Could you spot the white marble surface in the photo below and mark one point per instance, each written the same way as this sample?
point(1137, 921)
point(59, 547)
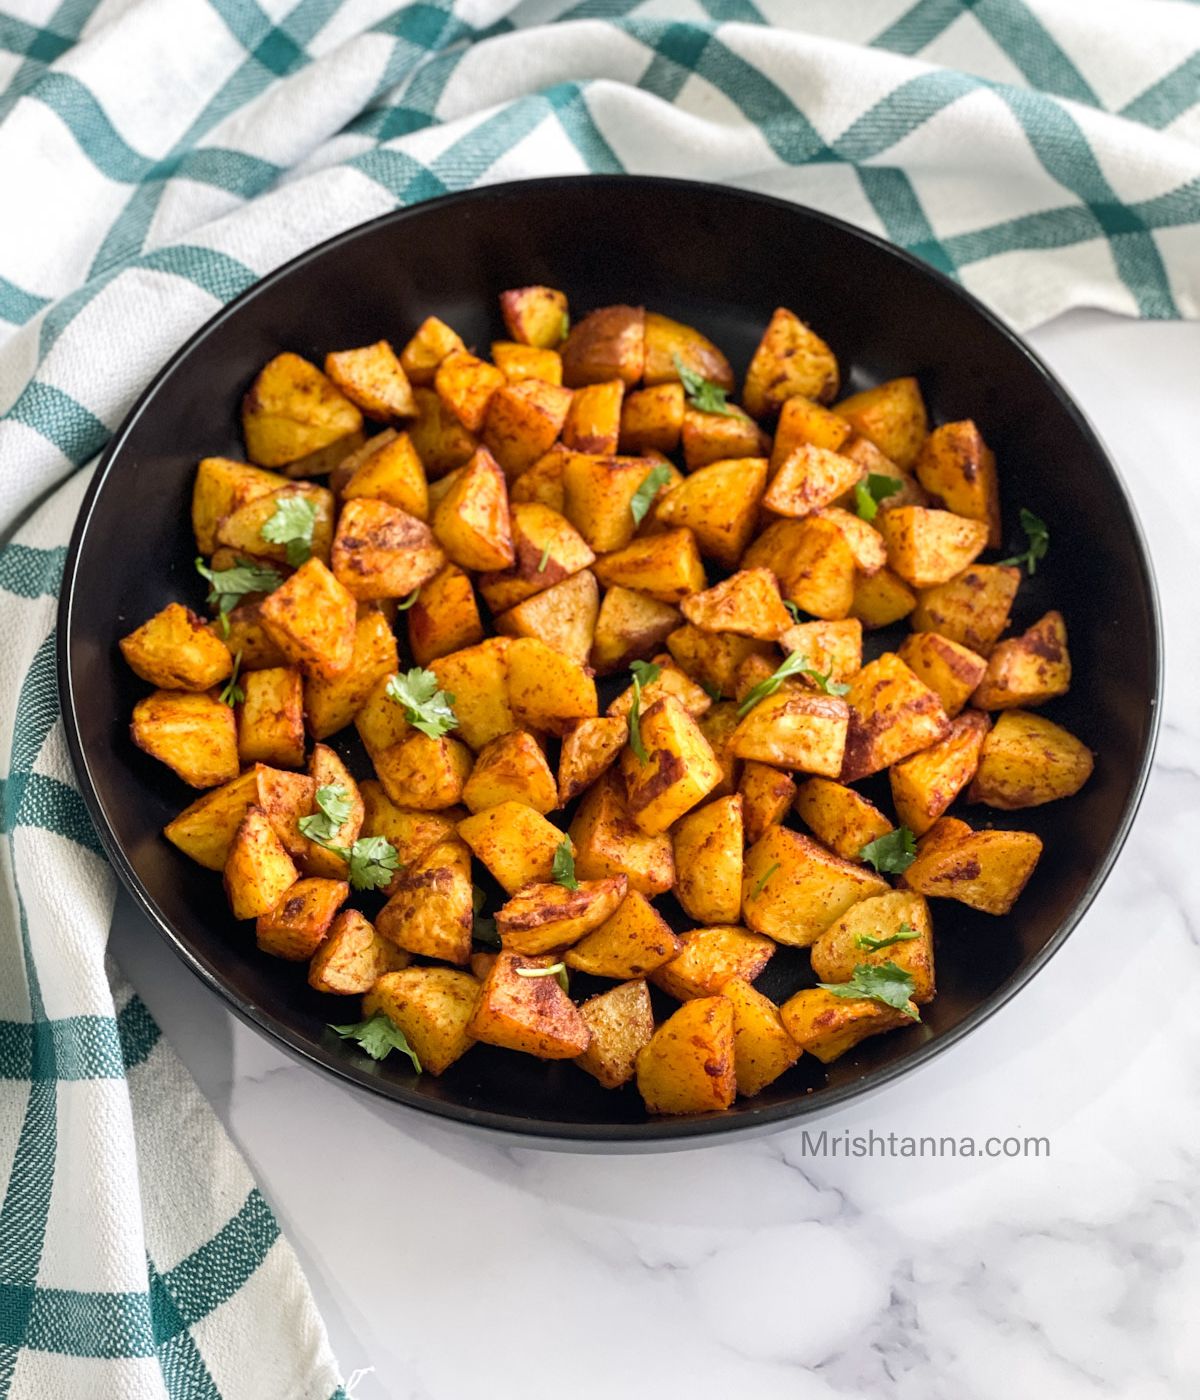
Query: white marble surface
point(455, 1267)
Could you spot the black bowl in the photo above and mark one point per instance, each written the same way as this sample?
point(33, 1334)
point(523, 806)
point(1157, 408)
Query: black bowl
point(723, 260)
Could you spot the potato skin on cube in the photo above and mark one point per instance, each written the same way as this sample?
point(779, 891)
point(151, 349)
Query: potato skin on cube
point(679, 772)
point(258, 871)
point(845, 943)
point(292, 410)
point(839, 817)
point(892, 715)
point(192, 732)
point(433, 1007)
point(516, 843)
point(353, 957)
point(534, 315)
point(312, 618)
point(708, 860)
point(985, 870)
point(1027, 670)
point(430, 912)
point(174, 650)
point(608, 343)
point(621, 1022)
point(793, 888)
point(709, 957)
point(1027, 760)
point(762, 1048)
point(926, 783)
point(665, 339)
point(791, 359)
point(589, 747)
point(295, 928)
point(688, 1065)
point(827, 1025)
point(530, 1014)
point(632, 942)
point(609, 842)
point(542, 917)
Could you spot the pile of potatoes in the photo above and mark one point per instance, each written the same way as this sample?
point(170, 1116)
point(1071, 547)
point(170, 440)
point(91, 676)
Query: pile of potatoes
point(518, 527)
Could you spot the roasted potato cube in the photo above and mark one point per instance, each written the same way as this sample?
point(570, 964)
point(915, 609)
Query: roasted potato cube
point(833, 649)
point(429, 774)
point(380, 551)
point(512, 768)
point(205, 830)
point(926, 783)
point(652, 419)
point(762, 1048)
point(630, 626)
point(564, 617)
point(291, 411)
point(471, 521)
point(751, 672)
point(679, 770)
point(873, 462)
point(430, 912)
point(808, 478)
point(839, 817)
point(547, 690)
point(380, 721)
point(766, 795)
point(892, 714)
point(892, 416)
point(793, 888)
point(445, 616)
point(286, 798)
point(528, 1013)
point(720, 437)
point(850, 941)
point(535, 316)
point(791, 359)
point(326, 769)
point(589, 747)
point(665, 566)
point(516, 844)
point(621, 1022)
point(192, 732)
point(865, 541)
point(598, 494)
point(803, 421)
point(708, 845)
point(312, 619)
point(746, 603)
point(270, 717)
point(719, 503)
point(442, 443)
point(432, 1006)
point(795, 728)
point(427, 349)
point(812, 561)
point(1027, 760)
point(718, 725)
point(373, 378)
point(707, 960)
point(523, 422)
point(712, 658)
point(609, 842)
point(517, 362)
point(688, 1065)
point(242, 631)
point(928, 547)
point(411, 830)
point(466, 384)
point(542, 917)
point(881, 599)
point(477, 677)
point(331, 703)
point(353, 957)
point(543, 482)
point(391, 473)
point(547, 549)
point(827, 1025)
point(221, 486)
point(296, 927)
point(175, 650)
point(258, 871)
point(958, 469)
point(1027, 670)
point(242, 530)
point(950, 670)
point(607, 344)
point(670, 680)
point(630, 943)
point(593, 421)
point(668, 341)
point(985, 870)
point(971, 609)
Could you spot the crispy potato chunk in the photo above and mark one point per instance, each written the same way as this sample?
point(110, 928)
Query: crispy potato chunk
point(652, 419)
point(839, 817)
point(720, 437)
point(971, 609)
point(380, 721)
point(286, 797)
point(471, 521)
point(709, 957)
point(679, 771)
point(812, 561)
point(543, 482)
point(174, 650)
point(258, 871)
point(881, 599)
point(630, 626)
point(221, 486)
point(312, 619)
point(719, 503)
point(466, 384)
point(242, 630)
point(530, 1014)
point(547, 690)
point(547, 549)
point(411, 831)
point(598, 494)
point(808, 478)
point(712, 659)
point(535, 316)
point(477, 677)
point(205, 829)
point(427, 349)
point(872, 461)
point(688, 1065)
point(708, 856)
point(392, 473)
point(193, 733)
point(958, 468)
point(430, 912)
point(747, 603)
point(607, 344)
point(795, 728)
point(762, 1048)
point(609, 842)
point(270, 717)
point(665, 566)
point(512, 768)
point(793, 888)
point(517, 362)
point(422, 772)
point(242, 530)
point(445, 616)
point(380, 551)
point(373, 378)
point(718, 726)
point(542, 917)
point(927, 547)
point(331, 703)
point(326, 769)
point(865, 541)
point(985, 870)
point(947, 668)
point(353, 957)
point(892, 714)
point(1028, 760)
point(589, 747)
point(833, 649)
point(791, 359)
point(892, 416)
point(850, 941)
point(621, 1022)
point(433, 1007)
point(803, 421)
point(827, 1025)
point(442, 443)
point(296, 927)
point(1027, 670)
point(516, 844)
point(564, 617)
point(925, 784)
point(523, 422)
point(593, 421)
point(667, 339)
point(766, 795)
point(291, 411)
point(632, 942)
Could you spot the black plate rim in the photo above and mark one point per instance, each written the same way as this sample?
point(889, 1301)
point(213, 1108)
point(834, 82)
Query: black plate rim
point(655, 1133)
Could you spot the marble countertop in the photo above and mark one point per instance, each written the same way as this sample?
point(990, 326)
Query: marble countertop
point(453, 1266)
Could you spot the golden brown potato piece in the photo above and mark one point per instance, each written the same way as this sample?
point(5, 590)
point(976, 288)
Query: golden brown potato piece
point(832, 648)
point(790, 359)
point(795, 728)
point(593, 421)
point(542, 917)
point(667, 339)
point(270, 718)
point(766, 795)
point(719, 504)
point(709, 957)
point(547, 690)
point(839, 817)
point(512, 768)
point(523, 423)
point(353, 957)
point(631, 943)
point(292, 411)
point(599, 492)
point(530, 1014)
point(312, 619)
point(1027, 760)
point(426, 773)
point(373, 378)
point(331, 703)
point(607, 344)
point(441, 441)
point(985, 870)
point(296, 927)
point(808, 478)
point(326, 769)
point(652, 419)
point(925, 784)
point(609, 842)
point(827, 1025)
point(892, 714)
point(516, 844)
point(382, 552)
point(890, 920)
point(547, 549)
point(892, 416)
point(477, 677)
point(471, 521)
point(718, 726)
point(1027, 670)
point(688, 1065)
point(948, 668)
point(175, 650)
point(621, 1022)
point(392, 472)
point(564, 617)
point(205, 829)
point(812, 561)
point(427, 349)
point(193, 733)
point(630, 626)
point(665, 566)
point(542, 483)
point(242, 531)
point(762, 1048)
point(708, 856)
point(873, 462)
point(411, 831)
point(746, 603)
point(286, 798)
point(535, 316)
point(589, 747)
point(712, 659)
point(958, 469)
point(517, 362)
point(430, 912)
point(432, 1006)
point(221, 486)
point(971, 609)
point(881, 599)
point(445, 616)
point(720, 437)
point(679, 768)
point(793, 888)
point(803, 421)
point(466, 384)
point(866, 543)
point(928, 547)
point(380, 721)
point(258, 871)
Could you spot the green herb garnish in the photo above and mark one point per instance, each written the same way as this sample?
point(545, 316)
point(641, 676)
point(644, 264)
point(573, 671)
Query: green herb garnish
point(405, 603)
point(545, 559)
point(870, 490)
point(762, 881)
point(794, 664)
point(557, 969)
point(643, 498)
point(333, 811)
point(891, 854)
point(425, 705)
point(230, 586)
point(1039, 542)
point(793, 608)
point(703, 395)
point(233, 694)
point(563, 869)
point(644, 673)
point(882, 982)
point(378, 1036)
point(904, 934)
point(291, 525)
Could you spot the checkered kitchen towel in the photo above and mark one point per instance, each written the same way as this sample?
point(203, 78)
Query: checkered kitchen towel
point(156, 157)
